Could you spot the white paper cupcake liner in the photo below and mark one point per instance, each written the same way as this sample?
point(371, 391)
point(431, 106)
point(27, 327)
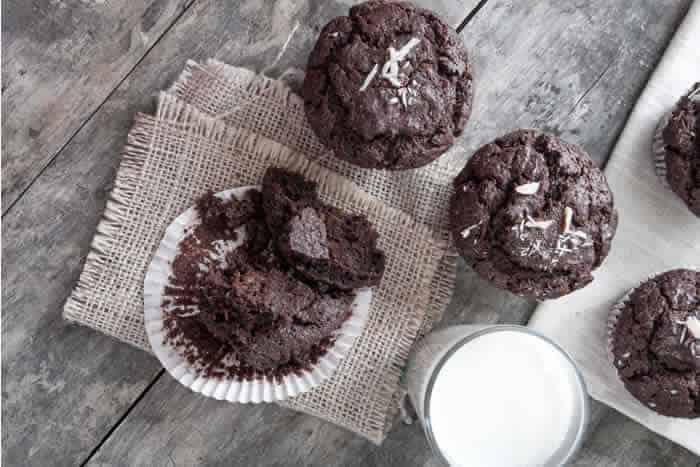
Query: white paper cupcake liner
point(234, 389)
point(617, 309)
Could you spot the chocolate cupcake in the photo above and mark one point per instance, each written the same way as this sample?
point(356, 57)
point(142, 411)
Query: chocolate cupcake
point(677, 149)
point(532, 214)
point(654, 341)
point(241, 312)
point(388, 87)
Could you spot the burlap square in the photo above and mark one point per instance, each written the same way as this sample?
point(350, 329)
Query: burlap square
point(175, 156)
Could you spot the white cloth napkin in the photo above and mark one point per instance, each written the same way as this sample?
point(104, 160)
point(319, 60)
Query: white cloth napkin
point(656, 233)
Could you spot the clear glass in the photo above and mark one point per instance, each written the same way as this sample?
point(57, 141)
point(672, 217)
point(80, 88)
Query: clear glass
point(430, 354)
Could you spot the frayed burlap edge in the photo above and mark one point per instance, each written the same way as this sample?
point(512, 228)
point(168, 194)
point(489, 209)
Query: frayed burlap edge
point(125, 185)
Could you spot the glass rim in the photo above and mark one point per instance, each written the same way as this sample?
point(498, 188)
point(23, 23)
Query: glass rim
point(585, 403)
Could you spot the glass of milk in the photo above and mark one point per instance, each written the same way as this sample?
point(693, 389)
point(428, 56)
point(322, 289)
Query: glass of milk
point(497, 396)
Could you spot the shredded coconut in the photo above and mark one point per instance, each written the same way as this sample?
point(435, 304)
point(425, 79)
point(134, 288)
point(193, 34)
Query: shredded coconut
point(370, 76)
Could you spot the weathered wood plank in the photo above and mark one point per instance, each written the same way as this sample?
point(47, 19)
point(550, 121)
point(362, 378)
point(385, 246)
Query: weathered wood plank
point(64, 386)
point(197, 431)
point(555, 65)
point(572, 68)
point(615, 440)
point(60, 60)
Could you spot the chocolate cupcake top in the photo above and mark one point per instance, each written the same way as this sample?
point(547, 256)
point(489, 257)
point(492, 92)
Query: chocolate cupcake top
point(321, 242)
point(388, 87)
point(533, 214)
point(682, 149)
point(656, 343)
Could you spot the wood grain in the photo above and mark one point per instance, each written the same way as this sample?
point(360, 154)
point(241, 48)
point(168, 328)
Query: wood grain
point(60, 60)
point(64, 386)
point(572, 68)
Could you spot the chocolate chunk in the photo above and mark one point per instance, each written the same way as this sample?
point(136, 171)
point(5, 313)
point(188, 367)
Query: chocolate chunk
point(343, 253)
point(307, 235)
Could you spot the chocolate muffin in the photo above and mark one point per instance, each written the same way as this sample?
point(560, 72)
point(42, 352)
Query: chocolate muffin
point(323, 243)
point(388, 87)
point(680, 149)
point(532, 214)
point(244, 312)
point(655, 342)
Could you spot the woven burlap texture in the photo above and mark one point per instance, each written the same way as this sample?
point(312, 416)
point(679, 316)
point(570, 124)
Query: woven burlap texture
point(178, 154)
point(267, 107)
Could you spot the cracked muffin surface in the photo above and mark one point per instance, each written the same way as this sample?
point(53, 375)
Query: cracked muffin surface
point(533, 214)
point(388, 87)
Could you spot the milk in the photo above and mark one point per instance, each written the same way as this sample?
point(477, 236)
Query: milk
point(504, 398)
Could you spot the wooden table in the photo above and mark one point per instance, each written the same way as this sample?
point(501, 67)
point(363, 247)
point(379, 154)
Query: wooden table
point(74, 73)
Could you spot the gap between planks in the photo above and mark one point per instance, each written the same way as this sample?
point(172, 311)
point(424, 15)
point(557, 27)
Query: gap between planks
point(122, 417)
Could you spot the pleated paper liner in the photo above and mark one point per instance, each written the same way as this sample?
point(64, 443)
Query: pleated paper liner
point(659, 149)
point(617, 309)
point(234, 389)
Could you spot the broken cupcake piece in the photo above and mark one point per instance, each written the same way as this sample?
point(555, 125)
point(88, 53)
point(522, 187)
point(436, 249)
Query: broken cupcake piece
point(224, 215)
point(322, 242)
point(246, 313)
